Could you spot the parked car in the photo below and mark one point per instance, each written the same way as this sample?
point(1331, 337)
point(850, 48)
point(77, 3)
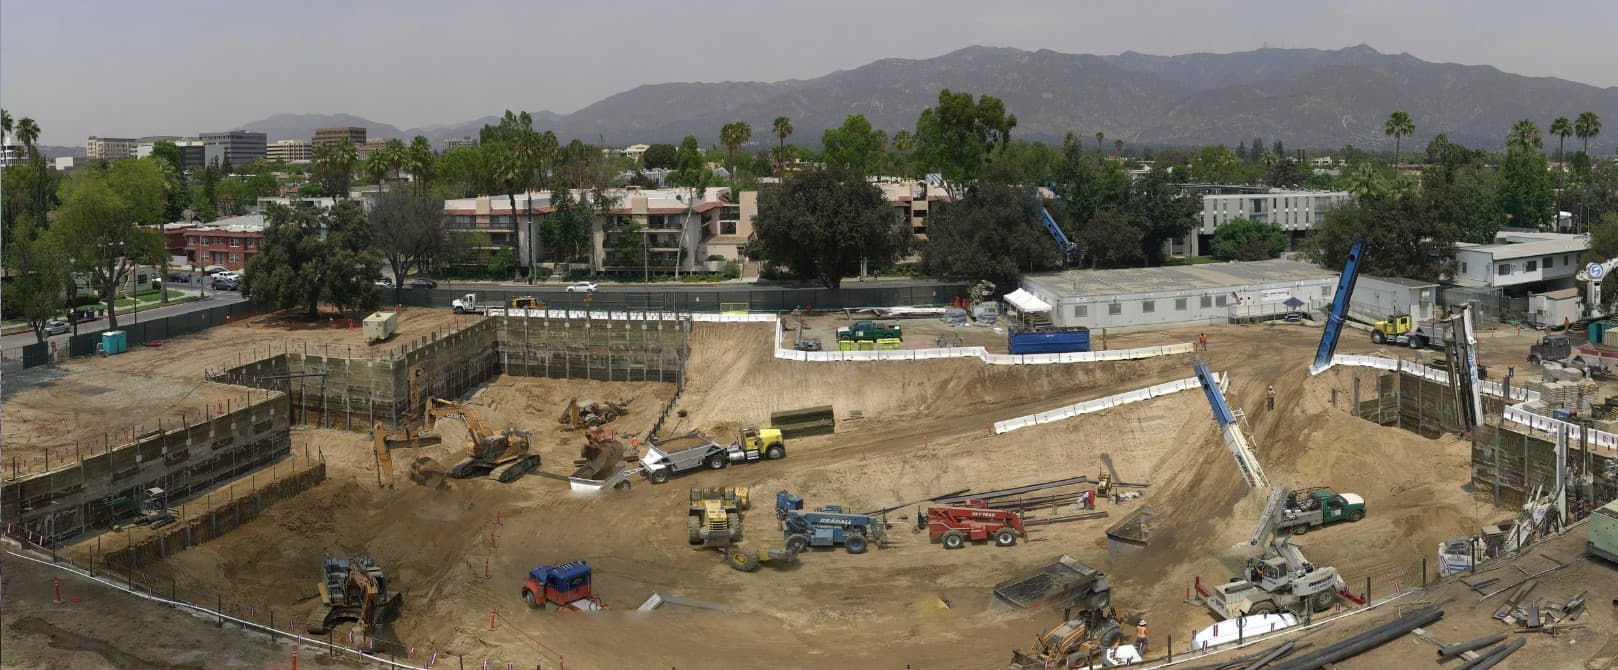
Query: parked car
point(226, 284)
point(229, 274)
point(181, 277)
point(213, 269)
point(385, 283)
point(57, 327)
point(423, 282)
point(581, 287)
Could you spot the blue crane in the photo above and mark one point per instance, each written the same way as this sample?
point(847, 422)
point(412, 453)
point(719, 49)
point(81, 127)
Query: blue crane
point(1229, 422)
point(1069, 249)
point(1339, 308)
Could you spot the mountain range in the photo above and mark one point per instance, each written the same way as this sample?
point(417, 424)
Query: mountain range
point(1303, 97)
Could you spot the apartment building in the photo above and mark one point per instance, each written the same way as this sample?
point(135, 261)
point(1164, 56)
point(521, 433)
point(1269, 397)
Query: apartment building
point(681, 228)
point(913, 200)
point(354, 134)
point(1294, 211)
point(110, 148)
point(289, 151)
point(226, 242)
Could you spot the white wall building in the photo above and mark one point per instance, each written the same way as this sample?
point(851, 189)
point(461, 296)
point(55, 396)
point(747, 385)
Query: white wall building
point(1519, 262)
point(1377, 298)
point(1160, 297)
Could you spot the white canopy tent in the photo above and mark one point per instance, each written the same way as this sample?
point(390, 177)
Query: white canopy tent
point(1026, 302)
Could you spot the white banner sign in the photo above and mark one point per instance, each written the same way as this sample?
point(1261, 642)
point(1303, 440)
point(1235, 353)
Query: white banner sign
point(1274, 294)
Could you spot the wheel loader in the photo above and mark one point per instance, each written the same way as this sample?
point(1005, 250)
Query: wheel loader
point(1075, 643)
point(354, 589)
point(714, 521)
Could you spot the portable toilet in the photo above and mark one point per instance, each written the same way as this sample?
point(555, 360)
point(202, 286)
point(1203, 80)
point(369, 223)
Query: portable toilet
point(113, 342)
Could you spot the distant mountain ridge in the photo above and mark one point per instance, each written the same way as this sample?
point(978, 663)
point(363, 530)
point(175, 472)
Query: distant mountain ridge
point(1303, 97)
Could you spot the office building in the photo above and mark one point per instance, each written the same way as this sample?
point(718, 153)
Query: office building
point(289, 151)
point(463, 141)
point(354, 134)
point(235, 147)
point(110, 148)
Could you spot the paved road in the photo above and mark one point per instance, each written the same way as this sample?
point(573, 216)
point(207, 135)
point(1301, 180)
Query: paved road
point(16, 342)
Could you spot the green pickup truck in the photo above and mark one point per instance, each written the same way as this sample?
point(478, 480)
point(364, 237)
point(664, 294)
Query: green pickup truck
point(1318, 506)
point(869, 331)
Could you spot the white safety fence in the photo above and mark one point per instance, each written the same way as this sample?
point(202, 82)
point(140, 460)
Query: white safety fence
point(1109, 402)
point(624, 315)
point(979, 353)
point(1513, 413)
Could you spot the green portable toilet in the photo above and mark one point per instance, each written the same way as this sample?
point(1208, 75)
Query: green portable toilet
point(113, 342)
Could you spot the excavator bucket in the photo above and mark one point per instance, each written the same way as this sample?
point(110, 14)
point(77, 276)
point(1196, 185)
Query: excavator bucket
point(428, 472)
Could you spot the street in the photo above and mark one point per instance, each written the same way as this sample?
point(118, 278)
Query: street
point(13, 344)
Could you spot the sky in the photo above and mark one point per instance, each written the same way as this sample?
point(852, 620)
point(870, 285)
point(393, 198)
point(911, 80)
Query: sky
point(173, 67)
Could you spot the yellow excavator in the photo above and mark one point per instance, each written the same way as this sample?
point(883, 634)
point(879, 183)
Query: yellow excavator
point(354, 589)
point(503, 455)
point(1074, 643)
point(411, 433)
point(525, 302)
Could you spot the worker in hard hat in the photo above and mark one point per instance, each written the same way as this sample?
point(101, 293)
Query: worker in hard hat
point(1140, 637)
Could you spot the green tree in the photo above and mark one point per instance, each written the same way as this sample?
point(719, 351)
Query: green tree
point(663, 156)
point(1406, 236)
point(334, 166)
point(461, 172)
point(419, 160)
point(567, 227)
point(1161, 211)
point(314, 255)
point(1110, 240)
point(1587, 127)
point(34, 261)
point(27, 132)
point(1603, 241)
point(1216, 165)
point(1527, 195)
point(821, 223)
point(689, 169)
point(409, 231)
point(992, 232)
point(1244, 240)
point(629, 246)
point(1085, 183)
point(1398, 125)
point(101, 219)
point(1366, 181)
point(733, 135)
point(957, 136)
point(169, 153)
point(1099, 137)
point(1118, 148)
point(782, 127)
point(853, 145)
point(501, 263)
point(1561, 128)
point(377, 165)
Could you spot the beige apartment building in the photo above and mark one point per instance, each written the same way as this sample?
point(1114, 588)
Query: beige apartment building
point(110, 148)
point(288, 151)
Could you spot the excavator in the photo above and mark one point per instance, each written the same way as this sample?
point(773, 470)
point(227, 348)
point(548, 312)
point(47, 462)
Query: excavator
point(411, 433)
point(502, 454)
point(354, 589)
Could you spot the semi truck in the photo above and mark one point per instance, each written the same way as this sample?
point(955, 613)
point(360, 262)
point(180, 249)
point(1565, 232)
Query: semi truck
point(867, 330)
point(1402, 329)
point(665, 458)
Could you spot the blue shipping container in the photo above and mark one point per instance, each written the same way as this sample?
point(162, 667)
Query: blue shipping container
point(1050, 341)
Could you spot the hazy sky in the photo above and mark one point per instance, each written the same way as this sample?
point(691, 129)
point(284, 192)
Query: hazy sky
point(173, 67)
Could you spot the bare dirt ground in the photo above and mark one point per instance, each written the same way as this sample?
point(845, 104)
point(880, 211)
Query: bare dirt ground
point(921, 429)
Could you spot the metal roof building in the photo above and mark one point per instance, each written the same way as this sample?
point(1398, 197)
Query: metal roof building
point(1161, 297)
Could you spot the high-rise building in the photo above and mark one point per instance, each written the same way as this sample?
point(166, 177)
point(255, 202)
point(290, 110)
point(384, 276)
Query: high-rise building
point(236, 146)
point(354, 134)
point(110, 148)
point(287, 151)
point(193, 153)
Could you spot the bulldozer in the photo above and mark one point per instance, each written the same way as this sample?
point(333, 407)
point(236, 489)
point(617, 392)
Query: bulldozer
point(577, 416)
point(503, 455)
point(354, 589)
point(1074, 643)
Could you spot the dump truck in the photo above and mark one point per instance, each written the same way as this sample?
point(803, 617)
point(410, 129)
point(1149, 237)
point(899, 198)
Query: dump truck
point(664, 458)
point(1306, 508)
point(825, 526)
point(567, 586)
point(1064, 583)
point(870, 331)
point(354, 589)
point(955, 525)
point(1074, 643)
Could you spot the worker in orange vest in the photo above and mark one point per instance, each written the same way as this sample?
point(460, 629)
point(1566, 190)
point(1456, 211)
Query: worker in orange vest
point(1140, 637)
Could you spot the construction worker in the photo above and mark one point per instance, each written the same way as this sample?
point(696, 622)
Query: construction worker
point(1140, 637)
point(1090, 499)
point(1269, 398)
point(1202, 341)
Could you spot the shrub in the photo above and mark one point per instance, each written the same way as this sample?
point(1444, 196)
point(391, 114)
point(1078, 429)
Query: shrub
point(733, 270)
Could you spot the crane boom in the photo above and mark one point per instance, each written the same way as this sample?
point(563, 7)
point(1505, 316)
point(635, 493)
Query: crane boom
point(1339, 308)
point(1235, 438)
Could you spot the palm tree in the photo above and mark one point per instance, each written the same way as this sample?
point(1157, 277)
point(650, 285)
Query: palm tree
point(377, 165)
point(1588, 126)
point(733, 136)
point(1561, 128)
point(1398, 125)
point(28, 135)
point(1099, 137)
point(5, 121)
point(1118, 147)
point(782, 127)
point(1525, 136)
point(419, 160)
point(396, 154)
point(336, 162)
point(1364, 181)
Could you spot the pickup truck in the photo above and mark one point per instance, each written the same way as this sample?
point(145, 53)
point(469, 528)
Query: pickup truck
point(1318, 506)
point(690, 451)
point(870, 330)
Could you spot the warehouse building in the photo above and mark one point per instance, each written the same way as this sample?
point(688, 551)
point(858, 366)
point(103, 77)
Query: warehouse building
point(1163, 297)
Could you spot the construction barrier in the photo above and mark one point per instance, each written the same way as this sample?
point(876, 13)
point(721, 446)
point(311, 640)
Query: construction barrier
point(1090, 406)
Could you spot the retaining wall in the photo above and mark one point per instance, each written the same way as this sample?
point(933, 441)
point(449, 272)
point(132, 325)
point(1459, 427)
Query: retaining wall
point(181, 460)
point(1099, 404)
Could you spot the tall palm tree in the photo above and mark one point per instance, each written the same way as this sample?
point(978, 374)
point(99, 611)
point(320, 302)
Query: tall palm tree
point(549, 148)
point(1561, 128)
point(1525, 136)
point(1118, 147)
point(396, 155)
point(28, 135)
point(733, 136)
point(336, 162)
point(1398, 125)
point(5, 121)
point(1588, 126)
point(781, 127)
point(419, 160)
point(1099, 137)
